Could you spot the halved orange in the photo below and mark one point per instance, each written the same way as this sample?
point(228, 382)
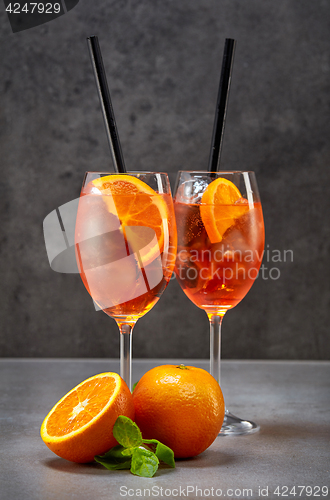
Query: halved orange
point(138, 207)
point(80, 425)
point(221, 205)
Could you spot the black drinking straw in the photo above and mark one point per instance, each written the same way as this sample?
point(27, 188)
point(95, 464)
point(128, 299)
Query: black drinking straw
point(221, 108)
point(105, 100)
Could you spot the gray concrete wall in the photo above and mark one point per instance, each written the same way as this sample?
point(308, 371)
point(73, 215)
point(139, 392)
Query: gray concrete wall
point(163, 63)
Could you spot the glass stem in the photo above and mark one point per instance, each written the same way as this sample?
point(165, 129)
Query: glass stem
point(126, 353)
point(215, 346)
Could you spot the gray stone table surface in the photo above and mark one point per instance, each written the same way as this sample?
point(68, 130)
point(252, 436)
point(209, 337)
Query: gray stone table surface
point(290, 401)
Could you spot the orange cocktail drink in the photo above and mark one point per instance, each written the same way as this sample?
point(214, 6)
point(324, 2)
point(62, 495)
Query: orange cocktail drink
point(125, 267)
point(220, 248)
point(217, 270)
point(125, 245)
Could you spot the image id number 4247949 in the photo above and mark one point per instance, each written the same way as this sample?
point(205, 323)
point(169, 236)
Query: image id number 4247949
point(33, 8)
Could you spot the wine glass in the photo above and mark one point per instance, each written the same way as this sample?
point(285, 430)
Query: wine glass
point(125, 242)
point(220, 247)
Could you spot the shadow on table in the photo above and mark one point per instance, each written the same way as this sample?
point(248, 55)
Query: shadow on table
point(61, 465)
point(209, 458)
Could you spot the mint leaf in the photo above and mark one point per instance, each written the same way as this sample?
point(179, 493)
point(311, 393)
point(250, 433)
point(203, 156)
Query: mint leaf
point(144, 462)
point(133, 452)
point(115, 459)
point(163, 452)
point(134, 385)
point(126, 432)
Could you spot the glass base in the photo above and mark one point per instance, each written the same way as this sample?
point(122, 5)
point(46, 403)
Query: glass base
point(235, 426)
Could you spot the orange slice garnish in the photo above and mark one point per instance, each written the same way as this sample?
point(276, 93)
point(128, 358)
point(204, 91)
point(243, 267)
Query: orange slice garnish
point(80, 425)
point(221, 205)
point(140, 209)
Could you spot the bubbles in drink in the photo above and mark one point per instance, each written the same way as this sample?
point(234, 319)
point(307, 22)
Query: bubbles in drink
point(247, 231)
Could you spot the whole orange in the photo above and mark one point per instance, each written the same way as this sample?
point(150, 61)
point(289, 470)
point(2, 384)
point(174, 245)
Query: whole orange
point(80, 425)
point(181, 406)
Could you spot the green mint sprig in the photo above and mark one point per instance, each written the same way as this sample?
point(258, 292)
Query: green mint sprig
point(141, 456)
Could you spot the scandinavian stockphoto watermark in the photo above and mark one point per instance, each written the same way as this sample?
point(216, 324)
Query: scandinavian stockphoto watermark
point(222, 265)
point(229, 265)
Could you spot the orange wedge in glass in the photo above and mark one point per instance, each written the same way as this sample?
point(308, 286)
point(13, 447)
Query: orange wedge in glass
point(80, 424)
point(138, 208)
point(221, 205)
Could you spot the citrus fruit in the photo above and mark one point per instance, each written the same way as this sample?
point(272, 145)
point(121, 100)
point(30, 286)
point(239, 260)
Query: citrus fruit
point(221, 205)
point(139, 209)
point(80, 424)
point(181, 406)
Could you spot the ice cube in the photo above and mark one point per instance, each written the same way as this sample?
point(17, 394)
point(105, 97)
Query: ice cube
point(246, 234)
point(191, 191)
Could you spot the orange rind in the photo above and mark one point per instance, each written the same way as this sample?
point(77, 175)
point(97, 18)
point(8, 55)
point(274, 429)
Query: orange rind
point(181, 406)
point(221, 205)
point(137, 206)
point(80, 425)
